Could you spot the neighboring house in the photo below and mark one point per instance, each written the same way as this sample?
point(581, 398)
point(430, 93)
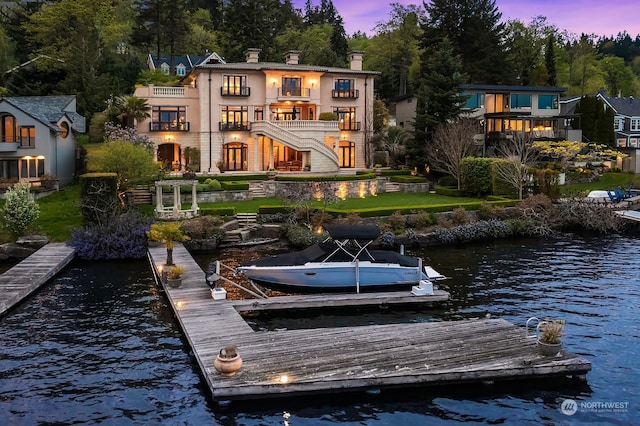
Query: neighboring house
point(254, 116)
point(508, 111)
point(37, 137)
point(505, 111)
point(626, 123)
point(183, 63)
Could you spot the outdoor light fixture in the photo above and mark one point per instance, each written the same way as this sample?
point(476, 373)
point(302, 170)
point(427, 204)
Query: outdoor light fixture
point(313, 83)
point(273, 82)
point(168, 138)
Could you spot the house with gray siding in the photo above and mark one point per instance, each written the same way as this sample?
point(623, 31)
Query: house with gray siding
point(37, 137)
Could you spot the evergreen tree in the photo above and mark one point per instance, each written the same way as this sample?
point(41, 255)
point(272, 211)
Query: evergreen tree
point(161, 24)
point(252, 24)
point(439, 99)
point(476, 33)
point(550, 61)
point(326, 13)
point(596, 122)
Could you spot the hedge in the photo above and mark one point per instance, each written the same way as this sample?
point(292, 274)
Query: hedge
point(450, 192)
point(432, 208)
point(234, 185)
point(334, 178)
point(407, 179)
point(218, 211)
point(271, 209)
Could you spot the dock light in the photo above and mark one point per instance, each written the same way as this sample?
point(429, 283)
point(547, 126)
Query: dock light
point(163, 274)
point(179, 304)
point(284, 379)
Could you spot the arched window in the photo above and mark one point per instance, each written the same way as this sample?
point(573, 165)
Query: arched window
point(8, 128)
point(64, 129)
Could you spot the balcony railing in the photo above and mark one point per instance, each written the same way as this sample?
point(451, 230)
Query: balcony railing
point(170, 92)
point(355, 126)
point(164, 126)
point(232, 126)
point(235, 91)
point(294, 92)
point(345, 94)
point(9, 146)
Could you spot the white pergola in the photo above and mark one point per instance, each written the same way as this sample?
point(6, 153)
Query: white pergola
point(175, 211)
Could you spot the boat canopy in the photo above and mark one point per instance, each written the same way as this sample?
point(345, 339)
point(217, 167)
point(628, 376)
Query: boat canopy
point(353, 232)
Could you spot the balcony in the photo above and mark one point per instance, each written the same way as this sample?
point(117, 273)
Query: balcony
point(232, 126)
point(235, 91)
point(345, 94)
point(292, 93)
point(164, 126)
point(9, 146)
point(168, 92)
point(354, 126)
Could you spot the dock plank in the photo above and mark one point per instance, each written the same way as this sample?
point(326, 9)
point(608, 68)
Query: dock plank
point(31, 273)
point(338, 359)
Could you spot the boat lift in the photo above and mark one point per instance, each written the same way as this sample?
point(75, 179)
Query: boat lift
point(213, 275)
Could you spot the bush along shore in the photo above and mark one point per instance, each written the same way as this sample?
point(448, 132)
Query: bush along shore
point(536, 216)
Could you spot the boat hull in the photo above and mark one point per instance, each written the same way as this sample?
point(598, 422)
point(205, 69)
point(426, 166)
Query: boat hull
point(334, 276)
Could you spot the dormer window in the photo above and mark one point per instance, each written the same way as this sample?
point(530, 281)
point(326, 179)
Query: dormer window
point(181, 70)
point(165, 68)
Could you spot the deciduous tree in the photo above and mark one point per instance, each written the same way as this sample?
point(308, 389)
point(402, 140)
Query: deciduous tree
point(452, 142)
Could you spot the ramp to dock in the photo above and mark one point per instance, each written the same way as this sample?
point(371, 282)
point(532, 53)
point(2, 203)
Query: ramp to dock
point(31, 273)
point(324, 360)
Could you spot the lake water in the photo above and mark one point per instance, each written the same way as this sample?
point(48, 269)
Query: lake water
point(99, 344)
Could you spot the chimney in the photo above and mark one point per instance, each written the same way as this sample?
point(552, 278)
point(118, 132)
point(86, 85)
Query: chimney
point(355, 60)
point(252, 55)
point(292, 57)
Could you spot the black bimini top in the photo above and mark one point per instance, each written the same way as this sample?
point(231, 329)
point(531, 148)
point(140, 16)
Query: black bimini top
point(331, 252)
point(353, 232)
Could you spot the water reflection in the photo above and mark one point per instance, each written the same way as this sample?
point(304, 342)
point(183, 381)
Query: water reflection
point(99, 344)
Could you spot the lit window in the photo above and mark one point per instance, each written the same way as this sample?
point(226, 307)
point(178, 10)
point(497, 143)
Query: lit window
point(64, 129)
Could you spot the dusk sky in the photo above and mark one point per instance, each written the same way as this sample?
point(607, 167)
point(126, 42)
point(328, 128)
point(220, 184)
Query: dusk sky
point(601, 17)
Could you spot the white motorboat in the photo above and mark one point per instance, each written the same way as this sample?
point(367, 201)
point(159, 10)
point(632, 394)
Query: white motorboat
point(343, 262)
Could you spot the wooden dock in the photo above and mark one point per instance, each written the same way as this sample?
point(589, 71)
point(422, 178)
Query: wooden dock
point(31, 273)
point(348, 358)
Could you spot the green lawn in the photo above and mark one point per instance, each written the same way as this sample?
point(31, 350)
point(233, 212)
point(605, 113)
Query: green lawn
point(60, 211)
point(382, 200)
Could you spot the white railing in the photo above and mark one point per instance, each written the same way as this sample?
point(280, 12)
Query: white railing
point(173, 92)
point(323, 126)
point(295, 141)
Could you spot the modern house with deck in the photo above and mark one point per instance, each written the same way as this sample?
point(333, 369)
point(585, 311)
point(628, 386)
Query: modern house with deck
point(257, 116)
point(506, 111)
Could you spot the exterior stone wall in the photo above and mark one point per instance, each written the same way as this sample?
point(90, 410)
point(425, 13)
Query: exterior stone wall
point(275, 189)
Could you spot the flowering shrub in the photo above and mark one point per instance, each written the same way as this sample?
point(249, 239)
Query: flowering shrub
point(122, 237)
point(114, 132)
point(20, 209)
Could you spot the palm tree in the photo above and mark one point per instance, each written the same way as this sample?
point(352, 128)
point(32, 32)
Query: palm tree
point(126, 110)
point(393, 139)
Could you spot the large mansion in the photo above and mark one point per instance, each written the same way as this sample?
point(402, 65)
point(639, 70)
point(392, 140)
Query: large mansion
point(256, 116)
